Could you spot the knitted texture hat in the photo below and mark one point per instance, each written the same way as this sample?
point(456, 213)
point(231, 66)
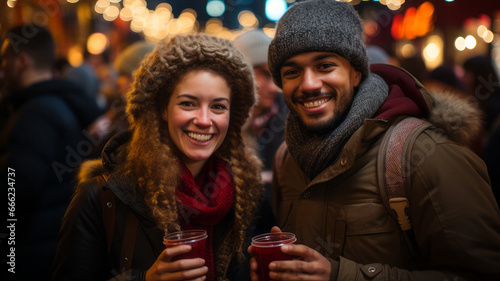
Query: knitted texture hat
point(254, 45)
point(318, 26)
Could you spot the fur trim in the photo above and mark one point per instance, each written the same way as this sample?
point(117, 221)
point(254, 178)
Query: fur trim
point(89, 169)
point(454, 113)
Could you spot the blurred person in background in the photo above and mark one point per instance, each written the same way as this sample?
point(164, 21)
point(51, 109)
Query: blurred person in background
point(115, 119)
point(444, 76)
point(415, 65)
point(483, 84)
point(266, 126)
point(492, 159)
point(40, 144)
point(376, 54)
point(85, 77)
point(265, 130)
point(61, 67)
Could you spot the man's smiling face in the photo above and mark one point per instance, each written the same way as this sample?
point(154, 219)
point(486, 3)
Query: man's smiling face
point(318, 87)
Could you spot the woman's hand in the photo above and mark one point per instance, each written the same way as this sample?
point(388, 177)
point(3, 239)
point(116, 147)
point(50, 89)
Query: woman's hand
point(166, 269)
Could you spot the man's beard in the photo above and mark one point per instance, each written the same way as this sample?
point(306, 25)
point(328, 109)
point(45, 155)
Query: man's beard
point(326, 126)
point(340, 112)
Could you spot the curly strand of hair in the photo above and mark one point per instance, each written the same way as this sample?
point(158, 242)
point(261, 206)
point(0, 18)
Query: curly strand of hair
point(224, 254)
point(247, 188)
point(148, 158)
point(161, 207)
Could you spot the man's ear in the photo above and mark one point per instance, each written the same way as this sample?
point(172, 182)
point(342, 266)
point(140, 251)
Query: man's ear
point(357, 77)
point(24, 61)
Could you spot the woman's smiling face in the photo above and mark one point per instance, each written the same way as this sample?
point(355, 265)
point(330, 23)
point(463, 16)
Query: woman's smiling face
point(198, 115)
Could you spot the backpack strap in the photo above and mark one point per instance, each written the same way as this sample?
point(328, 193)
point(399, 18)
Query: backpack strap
point(109, 220)
point(108, 210)
point(394, 170)
point(128, 243)
point(279, 157)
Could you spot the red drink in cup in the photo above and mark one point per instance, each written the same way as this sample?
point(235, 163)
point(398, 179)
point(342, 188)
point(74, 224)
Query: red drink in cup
point(267, 248)
point(196, 238)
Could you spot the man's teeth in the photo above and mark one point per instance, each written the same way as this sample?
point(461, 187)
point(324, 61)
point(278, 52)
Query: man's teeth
point(199, 137)
point(317, 103)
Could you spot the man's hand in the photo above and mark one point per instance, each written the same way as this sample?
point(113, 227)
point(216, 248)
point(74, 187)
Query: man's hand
point(253, 263)
point(310, 266)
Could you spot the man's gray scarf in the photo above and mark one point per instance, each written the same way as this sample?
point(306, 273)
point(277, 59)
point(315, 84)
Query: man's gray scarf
point(315, 152)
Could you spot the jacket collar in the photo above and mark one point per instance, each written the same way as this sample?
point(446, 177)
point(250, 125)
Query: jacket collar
point(358, 144)
point(114, 153)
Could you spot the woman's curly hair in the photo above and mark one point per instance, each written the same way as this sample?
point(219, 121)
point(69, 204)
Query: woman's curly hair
point(152, 159)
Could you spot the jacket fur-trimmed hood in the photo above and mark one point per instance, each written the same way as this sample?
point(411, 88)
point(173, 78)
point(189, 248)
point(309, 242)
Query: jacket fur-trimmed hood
point(449, 111)
point(455, 115)
point(113, 155)
point(90, 169)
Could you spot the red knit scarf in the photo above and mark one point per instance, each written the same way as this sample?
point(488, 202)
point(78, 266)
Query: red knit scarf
point(205, 201)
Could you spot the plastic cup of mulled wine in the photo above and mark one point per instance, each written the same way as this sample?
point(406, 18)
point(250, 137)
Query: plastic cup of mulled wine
point(267, 248)
point(196, 238)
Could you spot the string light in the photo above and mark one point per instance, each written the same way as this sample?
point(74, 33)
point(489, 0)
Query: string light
point(11, 3)
point(75, 56)
point(460, 43)
point(111, 13)
point(215, 8)
point(488, 38)
point(97, 43)
point(416, 22)
point(247, 19)
point(470, 42)
point(408, 51)
point(275, 9)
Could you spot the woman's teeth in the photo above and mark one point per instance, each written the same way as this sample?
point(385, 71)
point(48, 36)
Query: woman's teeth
point(199, 137)
point(316, 103)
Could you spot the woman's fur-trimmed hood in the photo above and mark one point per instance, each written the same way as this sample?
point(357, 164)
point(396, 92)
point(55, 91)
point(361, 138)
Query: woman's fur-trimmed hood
point(90, 169)
point(113, 155)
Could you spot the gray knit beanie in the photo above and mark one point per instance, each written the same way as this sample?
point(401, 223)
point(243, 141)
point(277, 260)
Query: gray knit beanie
point(318, 26)
point(254, 45)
